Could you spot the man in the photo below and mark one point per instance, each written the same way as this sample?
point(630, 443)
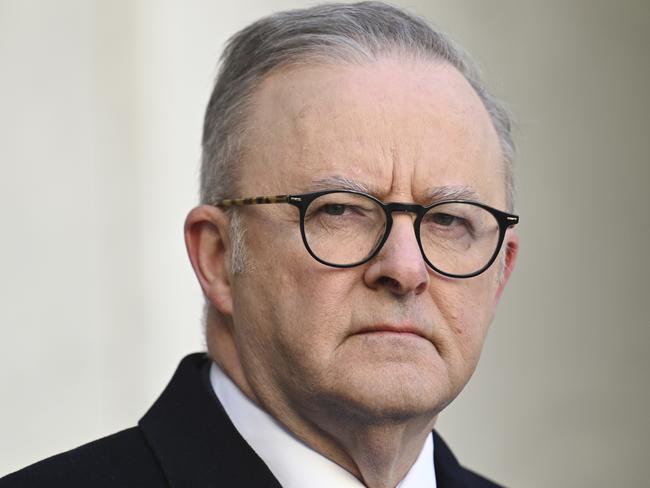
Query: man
point(352, 244)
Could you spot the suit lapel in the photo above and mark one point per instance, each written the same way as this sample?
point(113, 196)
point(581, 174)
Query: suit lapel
point(449, 473)
point(193, 439)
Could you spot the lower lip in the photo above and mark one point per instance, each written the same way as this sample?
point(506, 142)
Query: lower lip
point(392, 333)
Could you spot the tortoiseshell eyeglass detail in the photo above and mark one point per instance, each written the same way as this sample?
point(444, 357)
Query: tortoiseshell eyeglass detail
point(346, 228)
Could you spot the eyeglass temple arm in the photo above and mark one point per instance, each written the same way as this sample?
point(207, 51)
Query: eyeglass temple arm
point(236, 202)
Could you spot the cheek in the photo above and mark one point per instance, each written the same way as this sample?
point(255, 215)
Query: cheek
point(295, 306)
point(316, 316)
point(466, 308)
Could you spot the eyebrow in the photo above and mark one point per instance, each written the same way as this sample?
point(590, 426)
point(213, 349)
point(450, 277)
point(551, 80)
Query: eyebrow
point(451, 192)
point(339, 183)
point(433, 194)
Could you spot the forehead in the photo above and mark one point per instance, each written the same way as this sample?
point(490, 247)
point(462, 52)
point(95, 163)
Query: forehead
point(398, 128)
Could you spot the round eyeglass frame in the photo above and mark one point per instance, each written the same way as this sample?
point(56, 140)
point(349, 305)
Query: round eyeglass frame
point(302, 201)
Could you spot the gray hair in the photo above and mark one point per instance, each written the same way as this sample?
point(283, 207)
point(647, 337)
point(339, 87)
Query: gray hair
point(339, 33)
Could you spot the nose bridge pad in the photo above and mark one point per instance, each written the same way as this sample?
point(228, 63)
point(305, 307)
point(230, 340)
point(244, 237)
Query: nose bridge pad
point(403, 211)
point(406, 211)
point(393, 210)
point(402, 266)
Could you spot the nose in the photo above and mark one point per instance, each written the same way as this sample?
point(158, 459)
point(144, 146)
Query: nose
point(399, 267)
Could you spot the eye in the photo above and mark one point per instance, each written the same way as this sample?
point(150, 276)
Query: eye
point(334, 209)
point(342, 207)
point(444, 219)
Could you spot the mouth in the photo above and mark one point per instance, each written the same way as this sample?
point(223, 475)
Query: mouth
point(396, 330)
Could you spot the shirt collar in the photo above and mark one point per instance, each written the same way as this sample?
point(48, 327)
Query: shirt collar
point(290, 460)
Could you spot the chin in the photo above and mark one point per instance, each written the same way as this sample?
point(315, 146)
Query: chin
point(393, 392)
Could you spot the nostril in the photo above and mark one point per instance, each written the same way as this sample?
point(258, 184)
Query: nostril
point(391, 284)
point(421, 287)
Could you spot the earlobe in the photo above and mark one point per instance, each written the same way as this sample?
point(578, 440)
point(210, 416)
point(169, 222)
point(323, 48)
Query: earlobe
point(511, 245)
point(208, 247)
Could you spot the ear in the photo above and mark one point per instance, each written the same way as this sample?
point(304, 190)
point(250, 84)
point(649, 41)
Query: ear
point(511, 243)
point(208, 246)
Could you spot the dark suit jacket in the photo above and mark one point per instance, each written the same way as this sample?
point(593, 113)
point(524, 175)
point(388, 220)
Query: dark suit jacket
point(185, 441)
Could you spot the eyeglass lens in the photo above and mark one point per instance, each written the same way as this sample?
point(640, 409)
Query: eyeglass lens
point(346, 228)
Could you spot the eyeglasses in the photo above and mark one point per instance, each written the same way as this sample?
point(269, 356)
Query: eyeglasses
point(343, 228)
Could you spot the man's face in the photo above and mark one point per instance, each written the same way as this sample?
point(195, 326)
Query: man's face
point(390, 338)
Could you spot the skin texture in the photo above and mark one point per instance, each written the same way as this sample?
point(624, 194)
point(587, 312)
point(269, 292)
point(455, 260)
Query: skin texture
point(356, 362)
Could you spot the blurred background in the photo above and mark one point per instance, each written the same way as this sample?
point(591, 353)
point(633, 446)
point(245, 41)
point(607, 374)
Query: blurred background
point(101, 106)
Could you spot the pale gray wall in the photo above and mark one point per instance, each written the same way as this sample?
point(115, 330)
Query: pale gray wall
point(100, 115)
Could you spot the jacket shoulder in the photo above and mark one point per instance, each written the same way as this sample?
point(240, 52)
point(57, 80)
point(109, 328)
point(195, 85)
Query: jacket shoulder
point(120, 460)
point(477, 481)
point(450, 474)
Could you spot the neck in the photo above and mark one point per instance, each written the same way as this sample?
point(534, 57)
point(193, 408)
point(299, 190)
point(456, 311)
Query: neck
point(379, 455)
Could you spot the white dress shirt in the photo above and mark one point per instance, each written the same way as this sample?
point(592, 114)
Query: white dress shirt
point(293, 463)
